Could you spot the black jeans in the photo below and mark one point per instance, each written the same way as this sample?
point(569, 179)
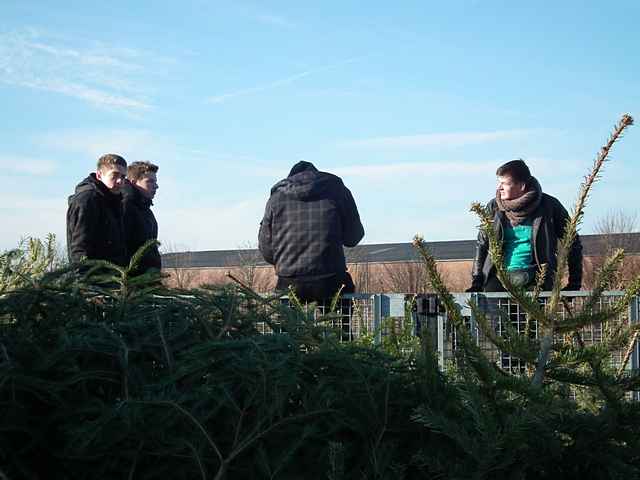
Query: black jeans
point(310, 289)
point(493, 285)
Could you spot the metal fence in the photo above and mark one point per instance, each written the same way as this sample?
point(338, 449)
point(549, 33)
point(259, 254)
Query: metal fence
point(359, 314)
point(502, 313)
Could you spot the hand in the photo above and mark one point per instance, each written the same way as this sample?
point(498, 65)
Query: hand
point(473, 288)
point(571, 287)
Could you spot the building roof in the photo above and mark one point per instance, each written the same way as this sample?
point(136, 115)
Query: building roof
point(388, 252)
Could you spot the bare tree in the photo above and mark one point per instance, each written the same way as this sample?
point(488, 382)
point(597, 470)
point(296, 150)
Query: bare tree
point(405, 277)
point(411, 277)
point(392, 277)
point(250, 268)
point(616, 222)
point(615, 229)
point(177, 262)
point(359, 268)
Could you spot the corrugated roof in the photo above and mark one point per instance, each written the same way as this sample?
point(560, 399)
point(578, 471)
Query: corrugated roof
point(386, 252)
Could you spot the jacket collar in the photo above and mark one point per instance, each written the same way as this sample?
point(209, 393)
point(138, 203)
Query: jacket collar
point(102, 189)
point(130, 191)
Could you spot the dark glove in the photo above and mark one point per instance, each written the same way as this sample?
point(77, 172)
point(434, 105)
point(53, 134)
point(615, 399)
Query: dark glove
point(572, 287)
point(474, 288)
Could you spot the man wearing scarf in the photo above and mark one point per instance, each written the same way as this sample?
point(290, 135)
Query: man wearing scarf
point(529, 223)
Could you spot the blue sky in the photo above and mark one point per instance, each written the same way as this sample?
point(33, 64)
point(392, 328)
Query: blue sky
point(414, 104)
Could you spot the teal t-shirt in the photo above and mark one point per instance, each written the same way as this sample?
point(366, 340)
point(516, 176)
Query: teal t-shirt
point(518, 250)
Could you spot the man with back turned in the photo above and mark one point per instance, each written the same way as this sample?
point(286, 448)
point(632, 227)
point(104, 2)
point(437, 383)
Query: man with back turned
point(308, 219)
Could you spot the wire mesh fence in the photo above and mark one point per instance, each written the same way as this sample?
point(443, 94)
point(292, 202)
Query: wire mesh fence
point(378, 315)
point(370, 314)
point(503, 313)
point(353, 316)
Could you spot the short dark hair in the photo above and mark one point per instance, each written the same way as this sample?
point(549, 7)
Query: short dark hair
point(111, 159)
point(137, 170)
point(516, 169)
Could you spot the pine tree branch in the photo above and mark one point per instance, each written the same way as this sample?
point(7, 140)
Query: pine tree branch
point(472, 353)
point(511, 341)
point(566, 242)
point(604, 278)
point(527, 302)
point(627, 354)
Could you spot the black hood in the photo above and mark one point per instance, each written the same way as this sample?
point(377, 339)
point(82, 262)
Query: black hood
point(302, 166)
point(131, 193)
point(91, 183)
point(305, 182)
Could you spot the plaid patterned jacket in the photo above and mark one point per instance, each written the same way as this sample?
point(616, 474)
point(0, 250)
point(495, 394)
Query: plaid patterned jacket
point(308, 218)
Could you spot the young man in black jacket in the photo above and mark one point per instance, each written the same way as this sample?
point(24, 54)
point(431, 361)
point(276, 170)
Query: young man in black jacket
point(139, 222)
point(529, 223)
point(308, 219)
point(94, 217)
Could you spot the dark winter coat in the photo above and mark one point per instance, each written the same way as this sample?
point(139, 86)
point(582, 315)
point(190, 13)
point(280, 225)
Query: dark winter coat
point(308, 219)
point(548, 222)
point(94, 223)
point(140, 225)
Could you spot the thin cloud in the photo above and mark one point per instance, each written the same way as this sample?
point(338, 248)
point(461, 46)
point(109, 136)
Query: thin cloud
point(282, 81)
point(266, 17)
point(30, 216)
point(27, 166)
point(143, 145)
point(86, 58)
point(383, 172)
point(103, 77)
point(132, 144)
point(394, 170)
point(82, 92)
point(454, 139)
point(235, 224)
point(135, 144)
point(275, 20)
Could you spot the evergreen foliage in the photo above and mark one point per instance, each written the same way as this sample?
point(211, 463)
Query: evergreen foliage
point(104, 374)
point(102, 381)
point(32, 259)
point(107, 375)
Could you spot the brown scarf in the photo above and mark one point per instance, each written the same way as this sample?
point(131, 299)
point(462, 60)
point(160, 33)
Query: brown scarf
point(518, 210)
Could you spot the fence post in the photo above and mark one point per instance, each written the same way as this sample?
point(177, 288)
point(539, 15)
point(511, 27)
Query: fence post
point(441, 335)
point(634, 306)
point(377, 318)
